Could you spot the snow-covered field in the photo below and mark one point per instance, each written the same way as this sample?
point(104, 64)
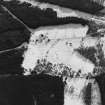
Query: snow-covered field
point(75, 92)
point(56, 45)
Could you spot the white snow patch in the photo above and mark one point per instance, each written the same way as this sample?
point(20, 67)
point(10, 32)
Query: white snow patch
point(73, 89)
point(90, 42)
point(102, 41)
point(73, 94)
point(62, 31)
point(57, 50)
